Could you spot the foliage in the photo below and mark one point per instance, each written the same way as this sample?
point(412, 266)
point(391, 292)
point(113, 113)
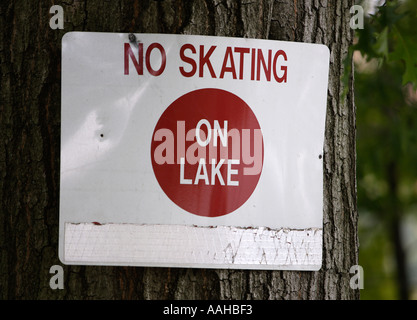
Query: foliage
point(390, 36)
point(386, 101)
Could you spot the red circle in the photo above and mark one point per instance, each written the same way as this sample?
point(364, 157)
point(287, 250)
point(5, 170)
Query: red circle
point(186, 184)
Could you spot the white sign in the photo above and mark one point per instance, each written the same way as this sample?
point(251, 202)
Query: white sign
point(192, 151)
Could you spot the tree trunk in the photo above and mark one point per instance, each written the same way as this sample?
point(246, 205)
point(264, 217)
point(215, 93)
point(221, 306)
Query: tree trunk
point(394, 213)
point(30, 53)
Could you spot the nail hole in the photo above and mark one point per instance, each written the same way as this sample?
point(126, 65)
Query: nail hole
point(102, 135)
point(320, 156)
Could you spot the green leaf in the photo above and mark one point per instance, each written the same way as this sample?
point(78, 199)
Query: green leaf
point(405, 49)
point(381, 44)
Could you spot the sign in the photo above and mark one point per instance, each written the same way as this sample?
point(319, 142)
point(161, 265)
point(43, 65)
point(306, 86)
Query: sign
point(192, 151)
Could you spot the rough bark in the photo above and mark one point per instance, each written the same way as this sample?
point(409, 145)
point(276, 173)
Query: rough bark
point(30, 147)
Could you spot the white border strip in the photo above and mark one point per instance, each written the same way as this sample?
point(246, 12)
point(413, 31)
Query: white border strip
point(192, 246)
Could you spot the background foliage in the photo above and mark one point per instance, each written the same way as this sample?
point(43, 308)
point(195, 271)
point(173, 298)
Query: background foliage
point(385, 57)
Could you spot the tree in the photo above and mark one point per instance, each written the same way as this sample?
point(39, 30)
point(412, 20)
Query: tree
point(30, 147)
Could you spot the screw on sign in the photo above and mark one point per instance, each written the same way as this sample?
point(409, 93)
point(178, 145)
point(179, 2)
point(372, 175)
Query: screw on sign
point(207, 152)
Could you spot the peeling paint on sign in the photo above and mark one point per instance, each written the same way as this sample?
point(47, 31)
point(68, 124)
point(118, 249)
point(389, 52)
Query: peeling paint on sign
point(193, 246)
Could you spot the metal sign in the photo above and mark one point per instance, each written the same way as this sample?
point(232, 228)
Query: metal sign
point(192, 151)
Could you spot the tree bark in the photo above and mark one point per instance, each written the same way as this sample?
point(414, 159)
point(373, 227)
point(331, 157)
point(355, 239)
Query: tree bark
point(30, 56)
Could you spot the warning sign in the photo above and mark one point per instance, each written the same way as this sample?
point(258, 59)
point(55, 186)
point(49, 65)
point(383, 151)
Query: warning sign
point(192, 151)
point(208, 146)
